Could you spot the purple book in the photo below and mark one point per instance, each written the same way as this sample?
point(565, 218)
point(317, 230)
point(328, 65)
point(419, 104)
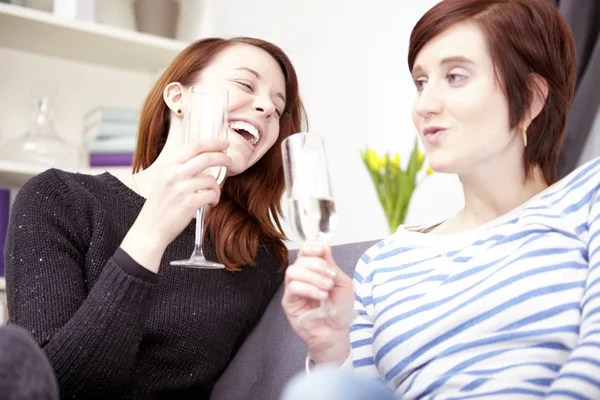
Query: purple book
point(4, 209)
point(111, 159)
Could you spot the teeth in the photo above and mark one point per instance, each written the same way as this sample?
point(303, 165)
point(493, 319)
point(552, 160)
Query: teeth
point(236, 125)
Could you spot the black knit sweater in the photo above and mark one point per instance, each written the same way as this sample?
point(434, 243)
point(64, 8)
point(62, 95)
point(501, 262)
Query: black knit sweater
point(111, 328)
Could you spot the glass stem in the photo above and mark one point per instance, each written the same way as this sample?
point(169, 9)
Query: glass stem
point(322, 303)
point(199, 233)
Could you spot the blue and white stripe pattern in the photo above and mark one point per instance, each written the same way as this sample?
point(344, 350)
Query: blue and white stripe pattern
point(510, 310)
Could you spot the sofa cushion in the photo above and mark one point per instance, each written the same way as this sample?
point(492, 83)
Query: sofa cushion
point(272, 353)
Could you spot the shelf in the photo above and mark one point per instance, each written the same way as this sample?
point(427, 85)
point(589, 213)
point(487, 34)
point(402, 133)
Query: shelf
point(41, 32)
point(14, 174)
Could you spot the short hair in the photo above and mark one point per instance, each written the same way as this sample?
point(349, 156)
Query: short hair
point(524, 37)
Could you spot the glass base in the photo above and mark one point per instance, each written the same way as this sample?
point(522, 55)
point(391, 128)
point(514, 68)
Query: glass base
point(197, 262)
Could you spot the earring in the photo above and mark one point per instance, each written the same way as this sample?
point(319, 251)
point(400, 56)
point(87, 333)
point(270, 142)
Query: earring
point(524, 132)
point(179, 111)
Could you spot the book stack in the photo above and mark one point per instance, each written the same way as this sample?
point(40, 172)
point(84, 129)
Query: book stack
point(111, 134)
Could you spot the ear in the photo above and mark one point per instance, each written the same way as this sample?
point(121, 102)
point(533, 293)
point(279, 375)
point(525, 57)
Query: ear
point(538, 87)
point(174, 97)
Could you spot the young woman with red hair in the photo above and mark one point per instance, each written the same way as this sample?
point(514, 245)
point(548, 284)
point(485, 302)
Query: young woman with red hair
point(87, 257)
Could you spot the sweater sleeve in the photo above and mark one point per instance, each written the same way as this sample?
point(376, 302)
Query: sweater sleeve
point(579, 377)
point(90, 335)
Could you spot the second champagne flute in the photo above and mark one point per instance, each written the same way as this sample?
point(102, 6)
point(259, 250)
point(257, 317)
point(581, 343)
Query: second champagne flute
point(205, 118)
point(311, 209)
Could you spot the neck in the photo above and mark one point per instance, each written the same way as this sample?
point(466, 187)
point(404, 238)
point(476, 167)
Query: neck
point(143, 180)
point(494, 190)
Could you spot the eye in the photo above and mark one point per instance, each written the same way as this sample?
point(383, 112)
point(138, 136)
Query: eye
point(420, 84)
point(278, 112)
point(245, 85)
point(455, 78)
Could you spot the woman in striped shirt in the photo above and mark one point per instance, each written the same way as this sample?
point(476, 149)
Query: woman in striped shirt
point(502, 300)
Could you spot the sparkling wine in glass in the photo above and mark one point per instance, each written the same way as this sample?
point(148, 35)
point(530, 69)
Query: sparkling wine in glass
point(205, 118)
point(312, 218)
point(311, 208)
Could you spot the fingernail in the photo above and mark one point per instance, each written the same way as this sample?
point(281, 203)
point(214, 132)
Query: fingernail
point(330, 272)
point(327, 282)
point(322, 294)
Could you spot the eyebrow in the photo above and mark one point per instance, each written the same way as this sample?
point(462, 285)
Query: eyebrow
point(253, 72)
point(448, 60)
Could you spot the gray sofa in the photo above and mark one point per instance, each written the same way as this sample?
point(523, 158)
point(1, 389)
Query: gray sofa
point(273, 354)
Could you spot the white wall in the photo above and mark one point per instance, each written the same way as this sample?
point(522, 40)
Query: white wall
point(351, 58)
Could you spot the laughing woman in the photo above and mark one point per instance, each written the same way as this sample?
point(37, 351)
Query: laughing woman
point(87, 257)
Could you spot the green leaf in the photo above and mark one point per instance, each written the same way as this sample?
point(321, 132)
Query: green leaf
point(393, 185)
point(413, 162)
point(401, 184)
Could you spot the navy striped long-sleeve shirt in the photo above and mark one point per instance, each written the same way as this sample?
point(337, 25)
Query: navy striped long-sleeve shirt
point(509, 310)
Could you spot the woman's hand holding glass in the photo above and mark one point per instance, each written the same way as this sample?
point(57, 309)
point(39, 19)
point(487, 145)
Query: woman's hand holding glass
point(205, 119)
point(181, 188)
point(312, 278)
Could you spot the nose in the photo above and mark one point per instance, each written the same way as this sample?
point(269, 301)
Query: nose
point(429, 101)
point(264, 105)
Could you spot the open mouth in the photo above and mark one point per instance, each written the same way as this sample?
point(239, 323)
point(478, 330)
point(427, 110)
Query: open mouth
point(246, 130)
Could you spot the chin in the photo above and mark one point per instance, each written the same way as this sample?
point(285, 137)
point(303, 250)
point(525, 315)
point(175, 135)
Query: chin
point(237, 168)
point(240, 161)
point(443, 163)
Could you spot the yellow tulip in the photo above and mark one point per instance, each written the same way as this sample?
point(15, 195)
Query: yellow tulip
point(374, 161)
point(430, 171)
point(420, 157)
point(396, 161)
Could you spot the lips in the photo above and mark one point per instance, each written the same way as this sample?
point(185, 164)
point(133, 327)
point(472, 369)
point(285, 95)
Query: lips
point(432, 130)
point(434, 134)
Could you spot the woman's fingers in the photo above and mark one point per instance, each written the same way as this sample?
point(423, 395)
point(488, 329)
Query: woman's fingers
point(206, 146)
point(300, 289)
point(309, 278)
point(306, 272)
point(197, 165)
point(202, 190)
point(316, 264)
point(192, 185)
point(205, 197)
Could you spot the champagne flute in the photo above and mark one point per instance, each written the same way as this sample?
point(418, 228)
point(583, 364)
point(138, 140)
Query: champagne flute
point(311, 208)
point(205, 118)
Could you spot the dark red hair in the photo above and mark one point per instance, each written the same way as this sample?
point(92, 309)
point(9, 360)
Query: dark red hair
point(524, 37)
point(248, 212)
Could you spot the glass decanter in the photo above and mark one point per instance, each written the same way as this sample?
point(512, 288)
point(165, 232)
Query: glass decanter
point(40, 144)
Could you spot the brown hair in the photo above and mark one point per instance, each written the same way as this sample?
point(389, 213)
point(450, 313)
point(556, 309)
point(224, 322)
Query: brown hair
point(524, 37)
point(241, 222)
